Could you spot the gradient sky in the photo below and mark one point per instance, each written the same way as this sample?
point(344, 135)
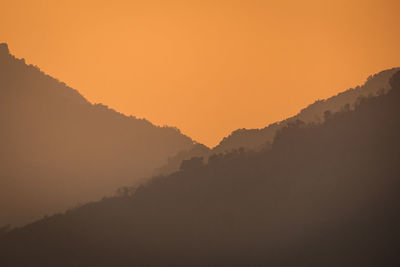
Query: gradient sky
point(206, 67)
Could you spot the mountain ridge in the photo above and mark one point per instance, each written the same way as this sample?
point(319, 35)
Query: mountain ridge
point(324, 194)
point(260, 138)
point(373, 85)
point(51, 130)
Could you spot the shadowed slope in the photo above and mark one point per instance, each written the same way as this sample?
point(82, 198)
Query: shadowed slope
point(322, 195)
point(57, 149)
point(257, 139)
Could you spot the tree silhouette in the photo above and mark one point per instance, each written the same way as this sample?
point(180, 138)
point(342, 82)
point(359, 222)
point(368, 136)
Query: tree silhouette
point(192, 164)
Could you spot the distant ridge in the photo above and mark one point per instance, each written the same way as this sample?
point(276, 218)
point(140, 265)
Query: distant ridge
point(58, 150)
point(322, 195)
point(257, 139)
point(4, 49)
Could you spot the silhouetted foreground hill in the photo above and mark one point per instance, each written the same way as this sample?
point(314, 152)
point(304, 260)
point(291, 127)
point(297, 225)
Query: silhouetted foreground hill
point(57, 149)
point(257, 139)
point(321, 195)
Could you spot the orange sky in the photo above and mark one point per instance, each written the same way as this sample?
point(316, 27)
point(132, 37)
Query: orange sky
point(207, 67)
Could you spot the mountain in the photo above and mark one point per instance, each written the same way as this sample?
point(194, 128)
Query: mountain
point(59, 150)
point(257, 139)
point(323, 194)
point(175, 161)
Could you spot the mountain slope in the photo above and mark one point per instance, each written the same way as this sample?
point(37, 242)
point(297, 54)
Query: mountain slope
point(59, 150)
point(322, 195)
point(256, 139)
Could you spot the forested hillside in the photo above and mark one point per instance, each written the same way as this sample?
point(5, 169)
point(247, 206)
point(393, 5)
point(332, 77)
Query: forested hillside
point(257, 139)
point(58, 150)
point(321, 195)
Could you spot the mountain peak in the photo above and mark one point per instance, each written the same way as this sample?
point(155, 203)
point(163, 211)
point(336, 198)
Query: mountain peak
point(4, 49)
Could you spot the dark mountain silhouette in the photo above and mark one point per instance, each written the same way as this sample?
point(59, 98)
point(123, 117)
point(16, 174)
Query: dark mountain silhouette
point(321, 195)
point(174, 162)
point(58, 150)
point(257, 139)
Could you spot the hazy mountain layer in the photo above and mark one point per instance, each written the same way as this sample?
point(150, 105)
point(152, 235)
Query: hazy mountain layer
point(256, 139)
point(57, 149)
point(321, 195)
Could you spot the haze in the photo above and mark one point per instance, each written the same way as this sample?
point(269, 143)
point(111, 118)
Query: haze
point(207, 67)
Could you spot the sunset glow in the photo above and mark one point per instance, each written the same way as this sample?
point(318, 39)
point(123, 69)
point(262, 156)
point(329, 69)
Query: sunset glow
point(206, 67)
